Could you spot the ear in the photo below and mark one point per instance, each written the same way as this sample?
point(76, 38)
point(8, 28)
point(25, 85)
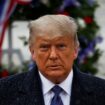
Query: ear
point(32, 51)
point(76, 52)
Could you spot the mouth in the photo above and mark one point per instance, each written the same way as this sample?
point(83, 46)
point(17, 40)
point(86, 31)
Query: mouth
point(55, 67)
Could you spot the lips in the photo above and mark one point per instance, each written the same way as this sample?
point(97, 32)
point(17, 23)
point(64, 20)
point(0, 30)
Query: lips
point(54, 67)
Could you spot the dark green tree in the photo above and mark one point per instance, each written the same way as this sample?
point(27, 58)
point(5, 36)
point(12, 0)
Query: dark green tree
point(83, 12)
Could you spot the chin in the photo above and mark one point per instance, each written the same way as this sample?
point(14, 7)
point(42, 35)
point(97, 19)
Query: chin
point(57, 78)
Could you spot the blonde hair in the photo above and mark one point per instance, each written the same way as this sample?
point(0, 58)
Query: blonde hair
point(53, 25)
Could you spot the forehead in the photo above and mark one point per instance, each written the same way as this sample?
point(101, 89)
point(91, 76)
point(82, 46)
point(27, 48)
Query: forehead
point(57, 38)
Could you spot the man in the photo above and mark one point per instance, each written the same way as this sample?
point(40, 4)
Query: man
point(54, 45)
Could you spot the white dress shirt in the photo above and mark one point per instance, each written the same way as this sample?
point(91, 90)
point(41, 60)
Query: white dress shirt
point(65, 85)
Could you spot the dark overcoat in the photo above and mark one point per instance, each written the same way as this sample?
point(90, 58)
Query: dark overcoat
point(26, 89)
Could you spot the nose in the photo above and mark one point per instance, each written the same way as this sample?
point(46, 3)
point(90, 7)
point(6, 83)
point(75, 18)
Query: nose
point(53, 54)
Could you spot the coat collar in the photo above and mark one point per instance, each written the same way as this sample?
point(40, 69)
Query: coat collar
point(82, 88)
point(31, 86)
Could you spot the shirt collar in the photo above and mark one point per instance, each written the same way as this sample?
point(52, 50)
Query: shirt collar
point(66, 84)
point(46, 84)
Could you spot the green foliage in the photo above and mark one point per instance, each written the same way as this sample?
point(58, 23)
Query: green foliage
point(87, 29)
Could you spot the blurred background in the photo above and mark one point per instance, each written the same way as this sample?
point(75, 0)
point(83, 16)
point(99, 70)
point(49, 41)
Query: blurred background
point(16, 14)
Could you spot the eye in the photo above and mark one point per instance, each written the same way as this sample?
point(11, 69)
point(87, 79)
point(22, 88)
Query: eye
point(44, 47)
point(61, 46)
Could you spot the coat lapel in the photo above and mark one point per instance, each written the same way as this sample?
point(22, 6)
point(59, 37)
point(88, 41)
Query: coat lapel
point(81, 94)
point(31, 90)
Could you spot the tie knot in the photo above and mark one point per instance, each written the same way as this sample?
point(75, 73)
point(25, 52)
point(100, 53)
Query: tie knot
point(57, 90)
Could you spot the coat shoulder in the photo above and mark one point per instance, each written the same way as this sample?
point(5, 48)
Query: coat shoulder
point(94, 83)
point(11, 82)
point(93, 79)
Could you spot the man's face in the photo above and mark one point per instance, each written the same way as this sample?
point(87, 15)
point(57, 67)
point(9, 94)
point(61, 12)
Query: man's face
point(54, 56)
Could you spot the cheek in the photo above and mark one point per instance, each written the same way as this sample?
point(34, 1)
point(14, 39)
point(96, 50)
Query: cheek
point(40, 58)
point(73, 53)
point(69, 57)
